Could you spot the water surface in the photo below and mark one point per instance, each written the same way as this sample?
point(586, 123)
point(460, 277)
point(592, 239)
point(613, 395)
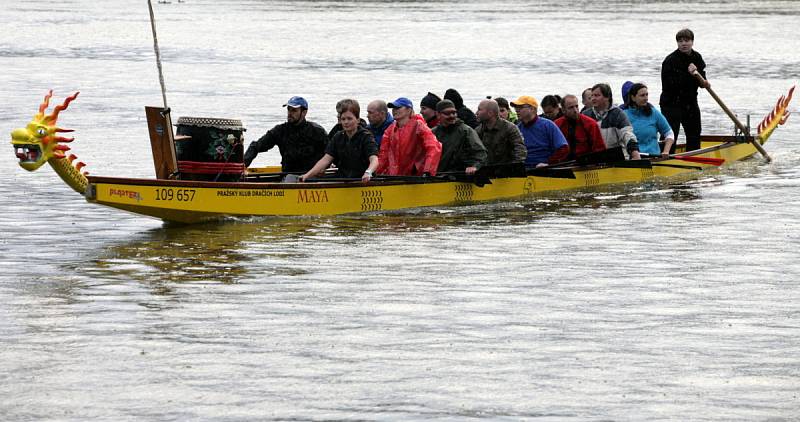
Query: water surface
point(667, 301)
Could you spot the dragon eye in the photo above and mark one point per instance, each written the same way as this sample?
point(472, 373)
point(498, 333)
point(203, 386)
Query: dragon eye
point(41, 132)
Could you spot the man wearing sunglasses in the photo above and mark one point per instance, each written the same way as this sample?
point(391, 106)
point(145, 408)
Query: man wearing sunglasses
point(462, 149)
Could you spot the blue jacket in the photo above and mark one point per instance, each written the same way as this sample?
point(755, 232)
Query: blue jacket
point(542, 139)
point(647, 128)
point(377, 132)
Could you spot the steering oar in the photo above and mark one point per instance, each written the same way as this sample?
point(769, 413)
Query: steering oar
point(730, 114)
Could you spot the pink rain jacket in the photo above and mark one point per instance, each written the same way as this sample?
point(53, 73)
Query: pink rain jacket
point(409, 151)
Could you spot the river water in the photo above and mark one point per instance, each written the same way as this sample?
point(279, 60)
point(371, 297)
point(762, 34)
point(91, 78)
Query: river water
point(669, 301)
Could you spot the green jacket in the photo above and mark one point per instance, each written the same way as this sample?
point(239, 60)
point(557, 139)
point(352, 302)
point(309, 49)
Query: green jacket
point(461, 147)
point(503, 142)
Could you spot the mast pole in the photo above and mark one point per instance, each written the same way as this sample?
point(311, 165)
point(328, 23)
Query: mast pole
point(158, 54)
point(159, 122)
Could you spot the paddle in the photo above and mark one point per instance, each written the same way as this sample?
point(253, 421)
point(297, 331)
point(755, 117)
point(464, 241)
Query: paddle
point(730, 114)
point(703, 160)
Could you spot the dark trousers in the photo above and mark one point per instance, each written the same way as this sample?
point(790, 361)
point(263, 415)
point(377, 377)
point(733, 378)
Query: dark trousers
point(687, 115)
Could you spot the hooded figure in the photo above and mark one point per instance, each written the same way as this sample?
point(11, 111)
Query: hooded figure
point(465, 114)
point(625, 88)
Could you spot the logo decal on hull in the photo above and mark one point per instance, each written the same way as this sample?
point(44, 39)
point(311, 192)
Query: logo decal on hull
point(312, 196)
point(530, 186)
point(125, 194)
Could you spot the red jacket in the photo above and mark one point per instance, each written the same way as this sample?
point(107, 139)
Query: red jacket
point(586, 137)
point(409, 151)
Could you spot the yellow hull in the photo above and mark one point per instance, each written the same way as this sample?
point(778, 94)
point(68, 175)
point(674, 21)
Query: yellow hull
point(192, 202)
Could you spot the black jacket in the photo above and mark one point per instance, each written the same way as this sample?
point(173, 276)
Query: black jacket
point(301, 145)
point(351, 155)
point(678, 86)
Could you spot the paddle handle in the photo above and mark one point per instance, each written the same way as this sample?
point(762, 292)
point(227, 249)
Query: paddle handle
point(732, 116)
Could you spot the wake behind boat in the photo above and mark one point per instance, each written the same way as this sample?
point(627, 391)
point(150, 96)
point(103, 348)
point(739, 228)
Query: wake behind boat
point(230, 190)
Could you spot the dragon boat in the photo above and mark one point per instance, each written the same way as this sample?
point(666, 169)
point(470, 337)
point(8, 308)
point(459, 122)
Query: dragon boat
point(191, 190)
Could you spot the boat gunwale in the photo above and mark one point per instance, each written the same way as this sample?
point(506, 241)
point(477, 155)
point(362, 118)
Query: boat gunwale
point(321, 184)
point(257, 185)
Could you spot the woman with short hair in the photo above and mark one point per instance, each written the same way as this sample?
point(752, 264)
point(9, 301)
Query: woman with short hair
point(353, 149)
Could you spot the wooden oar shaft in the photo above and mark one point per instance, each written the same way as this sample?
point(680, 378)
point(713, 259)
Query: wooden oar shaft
point(725, 108)
point(733, 117)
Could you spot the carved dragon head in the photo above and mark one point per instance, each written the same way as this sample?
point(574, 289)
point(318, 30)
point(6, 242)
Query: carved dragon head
point(38, 142)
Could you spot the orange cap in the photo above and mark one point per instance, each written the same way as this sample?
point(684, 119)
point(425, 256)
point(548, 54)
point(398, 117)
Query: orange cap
point(525, 100)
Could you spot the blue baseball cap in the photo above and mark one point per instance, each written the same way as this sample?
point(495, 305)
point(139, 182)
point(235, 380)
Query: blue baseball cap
point(400, 102)
point(297, 102)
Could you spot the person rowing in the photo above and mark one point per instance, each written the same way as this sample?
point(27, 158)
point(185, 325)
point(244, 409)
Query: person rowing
point(648, 123)
point(427, 108)
point(379, 119)
point(544, 141)
point(614, 124)
point(300, 142)
point(500, 137)
point(462, 149)
point(352, 150)
point(581, 131)
point(409, 148)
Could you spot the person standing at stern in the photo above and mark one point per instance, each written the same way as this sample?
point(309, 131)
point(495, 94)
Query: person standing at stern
point(679, 89)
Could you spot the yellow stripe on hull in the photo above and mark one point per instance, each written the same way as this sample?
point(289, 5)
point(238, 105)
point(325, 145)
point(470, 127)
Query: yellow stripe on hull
point(191, 202)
